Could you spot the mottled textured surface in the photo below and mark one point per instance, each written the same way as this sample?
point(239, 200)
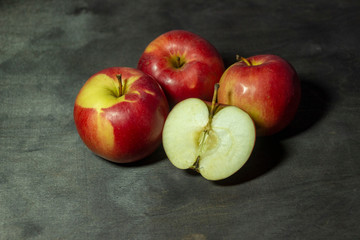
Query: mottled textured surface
point(300, 184)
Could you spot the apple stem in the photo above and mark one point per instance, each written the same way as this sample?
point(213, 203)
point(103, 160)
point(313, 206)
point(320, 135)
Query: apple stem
point(178, 62)
point(120, 84)
point(238, 58)
point(207, 129)
point(211, 114)
point(213, 103)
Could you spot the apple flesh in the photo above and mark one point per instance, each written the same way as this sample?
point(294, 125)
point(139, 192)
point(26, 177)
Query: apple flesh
point(119, 114)
point(185, 64)
point(267, 87)
point(212, 139)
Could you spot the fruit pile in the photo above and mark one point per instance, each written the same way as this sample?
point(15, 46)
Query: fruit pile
point(207, 117)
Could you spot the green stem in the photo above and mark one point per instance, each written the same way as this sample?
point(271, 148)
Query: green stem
point(238, 58)
point(207, 129)
point(213, 103)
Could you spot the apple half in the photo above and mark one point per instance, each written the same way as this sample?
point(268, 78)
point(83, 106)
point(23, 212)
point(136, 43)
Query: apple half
point(214, 140)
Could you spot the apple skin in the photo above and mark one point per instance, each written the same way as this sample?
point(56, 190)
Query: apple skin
point(185, 64)
point(121, 129)
point(268, 90)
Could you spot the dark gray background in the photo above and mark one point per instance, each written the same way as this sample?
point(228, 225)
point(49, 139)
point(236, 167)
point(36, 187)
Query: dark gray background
point(300, 184)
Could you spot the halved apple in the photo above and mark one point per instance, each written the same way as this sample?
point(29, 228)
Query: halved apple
point(214, 140)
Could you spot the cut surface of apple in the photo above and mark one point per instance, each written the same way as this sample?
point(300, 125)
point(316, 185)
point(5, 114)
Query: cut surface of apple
point(216, 146)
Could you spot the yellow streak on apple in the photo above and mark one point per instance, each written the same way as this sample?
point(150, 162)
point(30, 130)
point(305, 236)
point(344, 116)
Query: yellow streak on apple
point(99, 92)
point(148, 92)
point(105, 132)
point(153, 46)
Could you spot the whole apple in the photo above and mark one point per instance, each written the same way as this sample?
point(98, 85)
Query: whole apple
point(119, 114)
point(267, 87)
point(185, 64)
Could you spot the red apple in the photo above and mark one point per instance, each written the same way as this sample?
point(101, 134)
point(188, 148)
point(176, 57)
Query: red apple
point(267, 87)
point(184, 64)
point(119, 114)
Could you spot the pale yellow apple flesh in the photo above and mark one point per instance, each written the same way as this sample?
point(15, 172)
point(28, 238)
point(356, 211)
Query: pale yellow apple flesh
point(216, 150)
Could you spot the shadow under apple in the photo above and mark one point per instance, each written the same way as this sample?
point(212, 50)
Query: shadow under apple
point(267, 154)
point(269, 151)
point(315, 103)
point(156, 156)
